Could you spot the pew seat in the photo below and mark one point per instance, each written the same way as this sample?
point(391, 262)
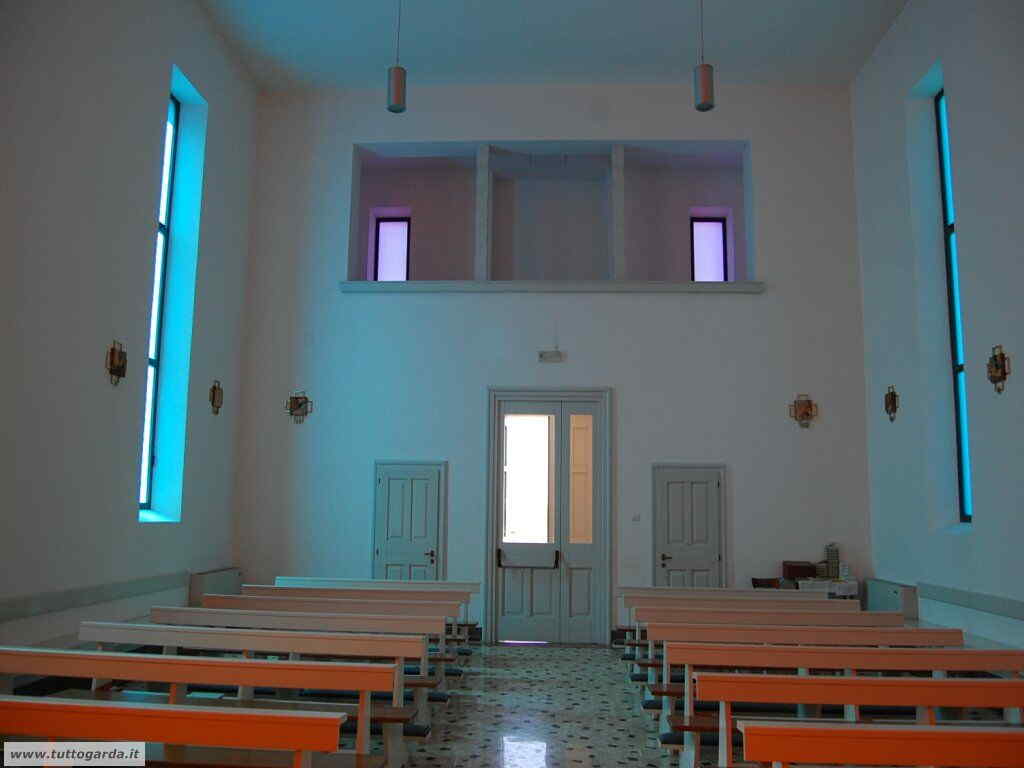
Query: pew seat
point(183, 735)
point(783, 744)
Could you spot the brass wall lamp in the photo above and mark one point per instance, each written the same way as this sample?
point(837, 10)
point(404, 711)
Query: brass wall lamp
point(892, 403)
point(998, 368)
point(299, 406)
point(116, 362)
point(803, 410)
point(216, 396)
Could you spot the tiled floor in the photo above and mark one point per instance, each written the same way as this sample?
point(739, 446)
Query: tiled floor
point(539, 706)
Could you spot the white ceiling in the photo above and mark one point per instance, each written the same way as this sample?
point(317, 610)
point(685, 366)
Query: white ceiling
point(350, 43)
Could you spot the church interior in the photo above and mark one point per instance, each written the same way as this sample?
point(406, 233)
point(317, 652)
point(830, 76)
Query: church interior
point(452, 384)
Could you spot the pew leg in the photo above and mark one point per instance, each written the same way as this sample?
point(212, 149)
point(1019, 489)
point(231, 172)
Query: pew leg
point(807, 710)
point(851, 712)
point(363, 725)
point(394, 745)
point(302, 759)
point(1011, 715)
point(724, 734)
point(420, 697)
point(245, 692)
point(689, 756)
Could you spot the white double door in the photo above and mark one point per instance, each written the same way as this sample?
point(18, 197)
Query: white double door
point(550, 534)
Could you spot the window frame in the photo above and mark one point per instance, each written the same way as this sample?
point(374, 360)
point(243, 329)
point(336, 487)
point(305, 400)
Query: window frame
point(947, 219)
point(162, 228)
point(725, 247)
point(376, 243)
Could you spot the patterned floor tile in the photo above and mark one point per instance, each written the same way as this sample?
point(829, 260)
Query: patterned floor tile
point(542, 707)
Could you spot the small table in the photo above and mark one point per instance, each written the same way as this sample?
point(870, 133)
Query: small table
point(849, 588)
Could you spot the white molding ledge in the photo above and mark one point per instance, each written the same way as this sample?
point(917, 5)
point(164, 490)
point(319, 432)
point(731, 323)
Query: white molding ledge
point(546, 286)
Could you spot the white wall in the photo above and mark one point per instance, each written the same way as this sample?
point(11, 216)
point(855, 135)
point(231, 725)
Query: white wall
point(975, 52)
point(696, 378)
point(658, 208)
point(441, 202)
point(550, 229)
point(85, 100)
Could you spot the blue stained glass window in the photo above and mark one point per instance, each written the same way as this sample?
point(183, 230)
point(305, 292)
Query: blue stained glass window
point(956, 331)
point(162, 236)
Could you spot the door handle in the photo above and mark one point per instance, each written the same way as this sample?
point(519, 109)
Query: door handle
point(431, 554)
point(665, 557)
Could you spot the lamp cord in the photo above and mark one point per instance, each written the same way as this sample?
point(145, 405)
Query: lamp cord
point(398, 32)
point(700, 30)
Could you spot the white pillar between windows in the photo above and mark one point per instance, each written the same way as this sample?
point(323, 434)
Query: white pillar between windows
point(484, 207)
point(617, 222)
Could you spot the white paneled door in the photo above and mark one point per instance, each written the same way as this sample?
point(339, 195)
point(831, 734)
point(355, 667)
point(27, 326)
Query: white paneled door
point(550, 550)
point(687, 527)
point(406, 521)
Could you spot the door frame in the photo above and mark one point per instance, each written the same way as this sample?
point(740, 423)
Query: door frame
point(725, 566)
point(600, 396)
point(442, 511)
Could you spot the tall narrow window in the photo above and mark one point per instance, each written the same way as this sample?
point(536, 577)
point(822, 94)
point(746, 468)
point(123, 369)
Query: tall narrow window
point(708, 258)
point(956, 334)
point(391, 261)
point(163, 237)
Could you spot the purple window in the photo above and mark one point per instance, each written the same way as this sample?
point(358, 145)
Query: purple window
point(708, 262)
point(391, 261)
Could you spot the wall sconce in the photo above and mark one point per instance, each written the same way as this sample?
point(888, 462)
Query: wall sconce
point(117, 362)
point(998, 368)
point(803, 410)
point(216, 396)
point(299, 406)
point(892, 403)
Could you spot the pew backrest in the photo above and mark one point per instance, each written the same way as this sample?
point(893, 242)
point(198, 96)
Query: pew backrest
point(659, 632)
point(379, 594)
point(860, 691)
point(373, 646)
point(890, 745)
point(49, 718)
point(303, 604)
point(843, 658)
point(770, 618)
point(923, 693)
point(291, 620)
point(704, 593)
point(738, 604)
point(180, 671)
point(209, 670)
point(473, 587)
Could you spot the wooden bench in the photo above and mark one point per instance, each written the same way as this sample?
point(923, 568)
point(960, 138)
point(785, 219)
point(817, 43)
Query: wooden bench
point(472, 587)
point(180, 671)
point(316, 622)
point(307, 604)
point(301, 603)
point(911, 637)
point(925, 694)
point(805, 618)
point(843, 659)
point(394, 648)
point(783, 744)
point(341, 589)
point(801, 618)
point(183, 729)
point(738, 604)
point(725, 592)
